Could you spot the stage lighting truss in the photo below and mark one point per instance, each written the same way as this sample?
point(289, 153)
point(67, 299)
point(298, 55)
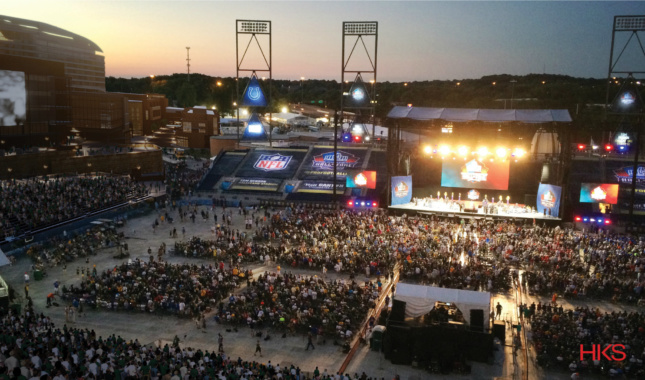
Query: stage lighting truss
point(446, 151)
point(593, 219)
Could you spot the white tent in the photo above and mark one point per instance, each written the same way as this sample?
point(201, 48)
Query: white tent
point(421, 299)
point(4, 260)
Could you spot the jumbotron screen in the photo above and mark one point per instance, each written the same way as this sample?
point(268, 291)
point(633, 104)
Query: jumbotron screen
point(13, 98)
point(475, 174)
point(365, 179)
point(599, 193)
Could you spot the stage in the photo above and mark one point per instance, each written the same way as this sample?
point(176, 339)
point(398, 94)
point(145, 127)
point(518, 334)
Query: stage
point(472, 209)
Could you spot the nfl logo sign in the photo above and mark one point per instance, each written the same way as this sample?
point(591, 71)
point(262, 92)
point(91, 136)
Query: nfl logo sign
point(272, 162)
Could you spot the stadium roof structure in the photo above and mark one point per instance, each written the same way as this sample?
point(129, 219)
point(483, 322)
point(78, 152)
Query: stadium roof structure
point(45, 32)
point(475, 114)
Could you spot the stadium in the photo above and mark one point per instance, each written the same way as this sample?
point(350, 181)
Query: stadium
point(433, 242)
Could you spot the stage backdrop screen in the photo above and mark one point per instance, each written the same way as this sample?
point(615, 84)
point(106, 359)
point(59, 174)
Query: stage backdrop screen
point(13, 98)
point(599, 193)
point(474, 173)
point(319, 165)
point(272, 163)
point(365, 179)
point(548, 198)
point(401, 190)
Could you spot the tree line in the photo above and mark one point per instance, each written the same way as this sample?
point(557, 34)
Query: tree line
point(581, 96)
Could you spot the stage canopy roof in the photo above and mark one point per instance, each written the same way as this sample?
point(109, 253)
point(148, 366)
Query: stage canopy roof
point(421, 299)
point(475, 114)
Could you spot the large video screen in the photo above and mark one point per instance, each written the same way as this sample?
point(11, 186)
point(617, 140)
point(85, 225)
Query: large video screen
point(272, 163)
point(320, 163)
point(364, 179)
point(599, 193)
point(474, 173)
point(13, 98)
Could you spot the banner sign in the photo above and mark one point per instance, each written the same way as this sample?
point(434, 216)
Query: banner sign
point(320, 187)
point(271, 163)
point(473, 195)
point(253, 95)
point(625, 173)
point(401, 190)
point(261, 184)
point(599, 193)
point(365, 179)
point(478, 174)
point(548, 198)
point(320, 165)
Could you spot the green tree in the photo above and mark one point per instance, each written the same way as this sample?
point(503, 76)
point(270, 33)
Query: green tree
point(186, 95)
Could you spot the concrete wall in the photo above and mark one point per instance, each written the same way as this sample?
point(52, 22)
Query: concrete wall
point(216, 144)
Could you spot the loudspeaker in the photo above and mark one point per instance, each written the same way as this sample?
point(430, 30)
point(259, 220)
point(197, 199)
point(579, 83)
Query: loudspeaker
point(477, 320)
point(398, 311)
point(499, 331)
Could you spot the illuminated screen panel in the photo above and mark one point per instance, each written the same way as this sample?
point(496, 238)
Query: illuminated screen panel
point(599, 193)
point(475, 173)
point(365, 179)
point(13, 98)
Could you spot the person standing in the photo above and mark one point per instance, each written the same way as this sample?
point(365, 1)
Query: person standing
point(499, 311)
point(220, 342)
point(310, 342)
point(258, 349)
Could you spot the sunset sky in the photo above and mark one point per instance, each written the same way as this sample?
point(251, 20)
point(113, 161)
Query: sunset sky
point(422, 40)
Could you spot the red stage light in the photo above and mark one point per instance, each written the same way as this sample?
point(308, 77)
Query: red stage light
point(374, 204)
point(578, 218)
point(357, 138)
point(609, 147)
point(350, 203)
point(581, 146)
point(607, 221)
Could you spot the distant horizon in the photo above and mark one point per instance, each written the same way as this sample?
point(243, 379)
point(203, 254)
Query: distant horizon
point(378, 81)
point(418, 40)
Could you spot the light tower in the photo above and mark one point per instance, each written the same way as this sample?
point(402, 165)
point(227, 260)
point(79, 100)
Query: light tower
point(188, 61)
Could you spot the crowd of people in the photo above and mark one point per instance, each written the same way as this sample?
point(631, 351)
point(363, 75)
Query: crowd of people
point(476, 255)
point(34, 348)
point(26, 204)
point(180, 179)
point(300, 304)
point(559, 333)
point(351, 242)
point(65, 249)
point(156, 286)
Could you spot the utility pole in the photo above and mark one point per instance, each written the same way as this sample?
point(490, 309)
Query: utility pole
point(188, 61)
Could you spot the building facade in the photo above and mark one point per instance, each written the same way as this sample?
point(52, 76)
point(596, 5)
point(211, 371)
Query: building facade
point(83, 61)
point(198, 124)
